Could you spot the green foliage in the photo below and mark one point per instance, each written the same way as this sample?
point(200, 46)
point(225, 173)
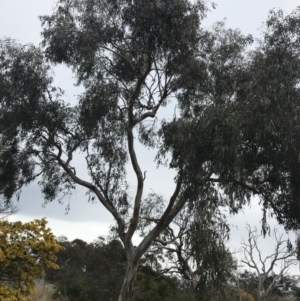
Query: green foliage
point(95, 271)
point(20, 67)
point(237, 129)
point(285, 288)
point(152, 285)
point(193, 247)
point(235, 294)
point(89, 271)
point(245, 135)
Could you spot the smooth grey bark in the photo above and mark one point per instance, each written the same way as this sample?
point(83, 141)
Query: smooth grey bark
point(128, 287)
point(281, 255)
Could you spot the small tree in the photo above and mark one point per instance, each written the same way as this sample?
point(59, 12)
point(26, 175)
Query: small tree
point(193, 247)
point(26, 251)
point(284, 256)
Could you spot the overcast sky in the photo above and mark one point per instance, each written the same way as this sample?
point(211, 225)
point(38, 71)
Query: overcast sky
point(19, 20)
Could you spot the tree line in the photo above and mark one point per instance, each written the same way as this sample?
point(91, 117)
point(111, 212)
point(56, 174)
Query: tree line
point(94, 271)
point(190, 261)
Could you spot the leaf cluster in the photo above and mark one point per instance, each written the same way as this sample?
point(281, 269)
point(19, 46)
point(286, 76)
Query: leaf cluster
point(241, 130)
point(26, 251)
point(89, 271)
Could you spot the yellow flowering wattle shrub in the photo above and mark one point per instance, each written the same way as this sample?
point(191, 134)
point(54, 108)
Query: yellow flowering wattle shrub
point(11, 294)
point(26, 249)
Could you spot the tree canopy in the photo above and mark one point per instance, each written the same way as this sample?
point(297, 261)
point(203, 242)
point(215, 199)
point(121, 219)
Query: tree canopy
point(236, 130)
point(88, 271)
point(243, 134)
point(193, 247)
point(93, 271)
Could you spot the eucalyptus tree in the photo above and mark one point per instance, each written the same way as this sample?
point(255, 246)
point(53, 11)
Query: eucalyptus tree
point(237, 126)
point(193, 247)
point(284, 253)
point(244, 136)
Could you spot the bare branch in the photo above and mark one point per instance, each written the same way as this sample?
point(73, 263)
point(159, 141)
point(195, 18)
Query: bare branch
point(281, 254)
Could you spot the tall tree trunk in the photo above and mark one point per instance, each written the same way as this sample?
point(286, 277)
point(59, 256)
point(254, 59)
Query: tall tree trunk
point(127, 291)
point(259, 295)
point(194, 285)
